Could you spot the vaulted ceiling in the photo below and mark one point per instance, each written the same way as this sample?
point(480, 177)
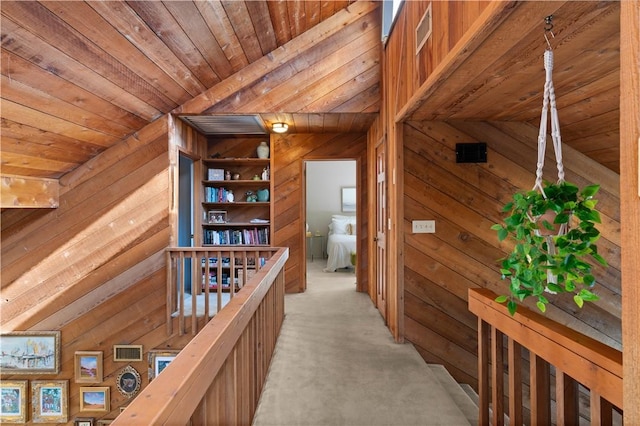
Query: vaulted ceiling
point(78, 77)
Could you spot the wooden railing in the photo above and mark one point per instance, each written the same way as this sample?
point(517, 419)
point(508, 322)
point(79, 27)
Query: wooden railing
point(218, 377)
point(551, 347)
point(201, 281)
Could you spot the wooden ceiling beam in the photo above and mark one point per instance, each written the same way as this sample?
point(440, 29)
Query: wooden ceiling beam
point(28, 192)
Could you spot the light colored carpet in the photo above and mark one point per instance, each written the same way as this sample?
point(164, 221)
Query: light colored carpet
point(200, 299)
point(337, 364)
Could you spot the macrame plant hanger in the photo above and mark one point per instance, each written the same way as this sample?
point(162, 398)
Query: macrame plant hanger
point(549, 108)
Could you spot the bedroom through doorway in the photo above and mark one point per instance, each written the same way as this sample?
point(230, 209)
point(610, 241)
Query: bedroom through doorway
point(330, 218)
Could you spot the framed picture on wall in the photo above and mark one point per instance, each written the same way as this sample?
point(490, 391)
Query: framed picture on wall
point(96, 398)
point(158, 360)
point(13, 401)
point(30, 352)
point(128, 381)
point(88, 366)
point(348, 199)
point(50, 401)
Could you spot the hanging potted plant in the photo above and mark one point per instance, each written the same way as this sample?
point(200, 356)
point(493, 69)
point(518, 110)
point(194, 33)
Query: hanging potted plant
point(553, 225)
point(550, 255)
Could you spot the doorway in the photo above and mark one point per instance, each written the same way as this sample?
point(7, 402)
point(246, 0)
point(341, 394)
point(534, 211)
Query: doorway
point(185, 210)
point(330, 211)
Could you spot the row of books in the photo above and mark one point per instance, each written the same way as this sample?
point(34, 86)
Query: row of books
point(226, 262)
point(250, 237)
point(216, 195)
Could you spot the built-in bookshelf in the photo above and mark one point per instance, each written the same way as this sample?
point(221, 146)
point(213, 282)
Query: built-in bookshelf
point(236, 193)
point(223, 270)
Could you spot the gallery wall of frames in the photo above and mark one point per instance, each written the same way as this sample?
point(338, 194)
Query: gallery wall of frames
point(25, 354)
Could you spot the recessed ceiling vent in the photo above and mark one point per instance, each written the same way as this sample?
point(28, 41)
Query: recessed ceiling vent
point(227, 124)
point(423, 30)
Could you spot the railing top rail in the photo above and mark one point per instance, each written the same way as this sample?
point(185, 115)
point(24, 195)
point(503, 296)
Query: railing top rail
point(175, 394)
point(592, 363)
point(223, 249)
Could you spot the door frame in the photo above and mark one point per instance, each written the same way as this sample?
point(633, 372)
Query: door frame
point(380, 279)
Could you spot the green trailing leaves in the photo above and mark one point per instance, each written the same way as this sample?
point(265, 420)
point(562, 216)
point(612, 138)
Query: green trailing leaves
point(543, 261)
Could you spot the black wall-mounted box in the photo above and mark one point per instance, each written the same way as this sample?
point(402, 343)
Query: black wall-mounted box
point(471, 152)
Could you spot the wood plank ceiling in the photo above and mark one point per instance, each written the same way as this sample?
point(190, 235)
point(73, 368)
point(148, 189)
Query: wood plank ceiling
point(78, 77)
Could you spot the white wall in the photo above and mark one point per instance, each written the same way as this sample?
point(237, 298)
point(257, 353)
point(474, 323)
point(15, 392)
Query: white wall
point(324, 182)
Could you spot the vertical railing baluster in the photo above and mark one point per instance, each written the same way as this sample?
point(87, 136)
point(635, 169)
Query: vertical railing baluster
point(497, 376)
point(195, 291)
point(540, 391)
point(170, 281)
point(601, 410)
point(232, 274)
point(219, 281)
point(515, 382)
point(566, 399)
point(483, 372)
point(181, 331)
point(206, 283)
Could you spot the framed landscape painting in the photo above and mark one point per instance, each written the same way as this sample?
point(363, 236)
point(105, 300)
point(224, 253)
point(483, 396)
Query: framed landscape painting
point(30, 352)
point(95, 399)
point(88, 366)
point(13, 401)
point(50, 401)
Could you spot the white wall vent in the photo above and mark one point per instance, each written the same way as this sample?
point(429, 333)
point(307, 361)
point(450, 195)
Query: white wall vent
point(127, 353)
point(423, 30)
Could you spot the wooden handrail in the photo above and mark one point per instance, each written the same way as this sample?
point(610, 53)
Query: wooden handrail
point(218, 376)
point(577, 359)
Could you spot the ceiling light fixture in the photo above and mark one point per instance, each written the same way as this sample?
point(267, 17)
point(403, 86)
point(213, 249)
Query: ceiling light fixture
point(280, 127)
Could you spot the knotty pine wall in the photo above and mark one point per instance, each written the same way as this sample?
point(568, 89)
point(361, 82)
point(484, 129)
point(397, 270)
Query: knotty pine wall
point(94, 268)
point(465, 200)
point(289, 152)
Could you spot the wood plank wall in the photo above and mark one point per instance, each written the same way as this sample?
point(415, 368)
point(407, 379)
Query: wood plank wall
point(451, 19)
point(465, 200)
point(94, 268)
point(289, 152)
point(403, 73)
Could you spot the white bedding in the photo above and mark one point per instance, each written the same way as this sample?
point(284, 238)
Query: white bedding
point(339, 249)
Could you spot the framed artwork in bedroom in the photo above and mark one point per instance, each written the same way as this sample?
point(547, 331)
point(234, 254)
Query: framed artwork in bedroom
point(349, 199)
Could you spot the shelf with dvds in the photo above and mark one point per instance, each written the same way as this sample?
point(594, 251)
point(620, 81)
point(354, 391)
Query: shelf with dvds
point(236, 193)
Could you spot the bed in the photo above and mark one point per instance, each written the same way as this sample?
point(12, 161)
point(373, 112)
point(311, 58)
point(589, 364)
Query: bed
point(341, 242)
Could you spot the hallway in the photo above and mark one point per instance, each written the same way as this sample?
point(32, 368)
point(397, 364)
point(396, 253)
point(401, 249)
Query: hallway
point(336, 363)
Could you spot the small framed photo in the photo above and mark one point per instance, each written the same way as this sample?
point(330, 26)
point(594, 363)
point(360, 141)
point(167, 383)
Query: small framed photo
point(158, 360)
point(217, 216)
point(30, 352)
point(95, 398)
point(50, 401)
point(84, 421)
point(88, 366)
point(128, 382)
point(13, 401)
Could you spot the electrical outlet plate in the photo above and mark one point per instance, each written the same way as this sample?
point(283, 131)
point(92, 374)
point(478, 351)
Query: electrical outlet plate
point(423, 226)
